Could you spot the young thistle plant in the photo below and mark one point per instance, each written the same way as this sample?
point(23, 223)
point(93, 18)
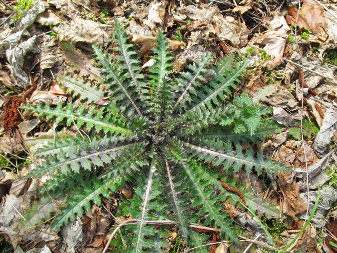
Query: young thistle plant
point(159, 133)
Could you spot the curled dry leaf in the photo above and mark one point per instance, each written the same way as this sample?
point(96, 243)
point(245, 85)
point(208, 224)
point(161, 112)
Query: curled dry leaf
point(317, 110)
point(50, 54)
point(274, 40)
point(208, 21)
point(72, 235)
point(146, 43)
point(48, 19)
point(317, 172)
point(292, 204)
point(311, 16)
point(328, 197)
point(82, 30)
point(279, 97)
point(6, 80)
point(327, 131)
point(283, 117)
point(222, 248)
point(156, 14)
point(231, 210)
point(56, 89)
point(242, 8)
point(126, 191)
point(98, 242)
point(16, 57)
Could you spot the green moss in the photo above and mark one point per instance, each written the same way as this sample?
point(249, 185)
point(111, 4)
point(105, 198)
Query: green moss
point(333, 177)
point(250, 50)
point(274, 226)
point(4, 163)
point(292, 39)
point(21, 7)
point(264, 55)
point(105, 13)
point(177, 245)
point(305, 34)
point(330, 57)
point(177, 34)
point(5, 247)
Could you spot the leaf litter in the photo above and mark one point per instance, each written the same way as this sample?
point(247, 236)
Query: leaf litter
point(193, 29)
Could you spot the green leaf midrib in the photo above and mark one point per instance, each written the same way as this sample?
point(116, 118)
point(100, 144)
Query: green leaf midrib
point(226, 156)
point(57, 113)
point(191, 82)
point(88, 156)
point(232, 78)
point(68, 215)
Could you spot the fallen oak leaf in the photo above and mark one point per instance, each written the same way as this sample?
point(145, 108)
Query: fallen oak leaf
point(311, 16)
point(146, 43)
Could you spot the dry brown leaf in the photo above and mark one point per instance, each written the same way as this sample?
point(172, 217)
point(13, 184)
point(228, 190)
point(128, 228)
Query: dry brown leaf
point(242, 9)
point(146, 43)
point(56, 89)
point(310, 16)
point(308, 240)
point(231, 210)
point(80, 30)
point(6, 80)
point(156, 14)
point(126, 191)
point(98, 242)
point(222, 248)
point(286, 156)
point(292, 204)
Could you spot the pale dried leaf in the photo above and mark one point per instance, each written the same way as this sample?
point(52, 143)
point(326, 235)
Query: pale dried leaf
point(222, 248)
point(331, 22)
point(16, 57)
point(317, 172)
point(311, 16)
point(47, 97)
point(56, 89)
point(275, 40)
point(28, 125)
point(50, 54)
point(9, 211)
point(146, 43)
point(31, 15)
point(242, 8)
point(156, 14)
point(48, 19)
point(328, 196)
point(292, 202)
point(82, 30)
point(195, 13)
point(72, 235)
point(283, 117)
point(327, 131)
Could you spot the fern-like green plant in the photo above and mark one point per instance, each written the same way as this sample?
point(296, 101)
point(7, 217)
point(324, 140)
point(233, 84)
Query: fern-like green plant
point(159, 133)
